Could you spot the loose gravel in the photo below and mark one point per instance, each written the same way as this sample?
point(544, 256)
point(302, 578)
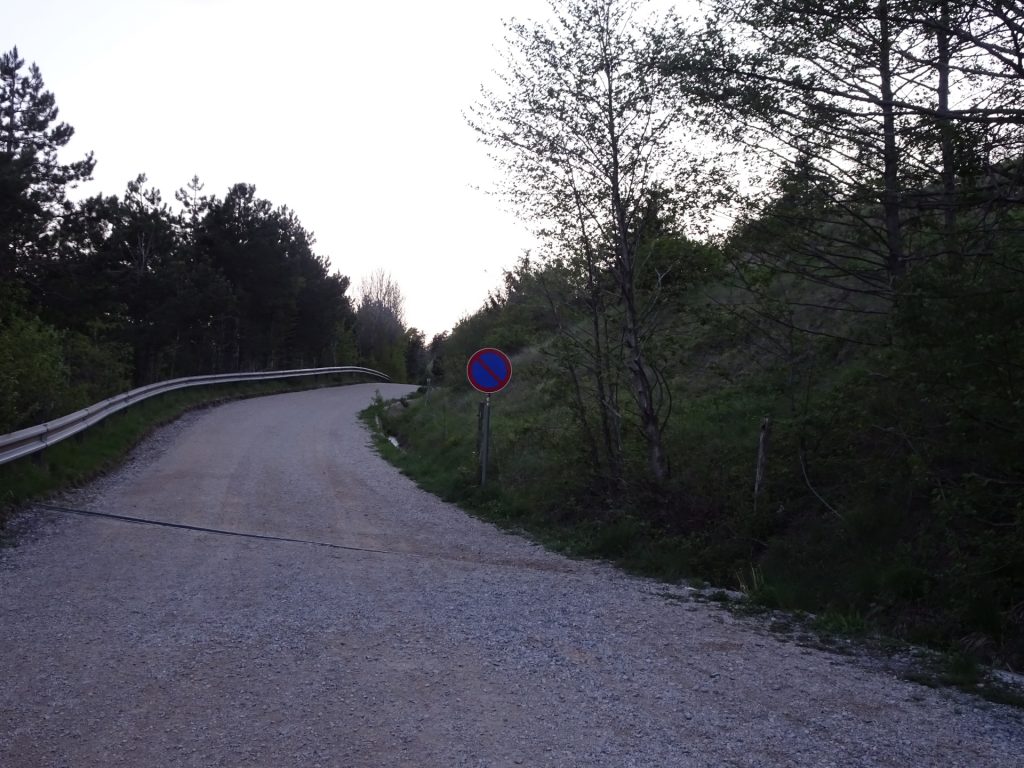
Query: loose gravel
point(460, 645)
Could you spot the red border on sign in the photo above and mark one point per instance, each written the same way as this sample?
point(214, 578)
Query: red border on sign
point(474, 357)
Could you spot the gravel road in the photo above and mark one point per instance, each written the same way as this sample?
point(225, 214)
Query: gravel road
point(455, 645)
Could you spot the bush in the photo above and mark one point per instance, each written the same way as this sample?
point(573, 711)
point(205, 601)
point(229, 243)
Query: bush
point(33, 375)
point(96, 369)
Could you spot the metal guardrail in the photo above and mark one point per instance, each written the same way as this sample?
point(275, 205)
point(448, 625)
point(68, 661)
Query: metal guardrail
point(15, 445)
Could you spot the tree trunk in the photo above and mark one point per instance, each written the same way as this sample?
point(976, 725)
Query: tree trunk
point(946, 128)
point(891, 203)
point(640, 382)
point(643, 391)
point(607, 408)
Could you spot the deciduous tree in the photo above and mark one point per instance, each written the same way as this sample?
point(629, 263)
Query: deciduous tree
point(587, 126)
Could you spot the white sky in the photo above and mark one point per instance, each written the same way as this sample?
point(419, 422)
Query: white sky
point(350, 114)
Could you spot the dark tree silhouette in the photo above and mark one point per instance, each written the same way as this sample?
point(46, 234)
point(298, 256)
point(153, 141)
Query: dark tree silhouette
point(33, 180)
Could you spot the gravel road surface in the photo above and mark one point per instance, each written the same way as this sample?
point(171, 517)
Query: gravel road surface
point(455, 645)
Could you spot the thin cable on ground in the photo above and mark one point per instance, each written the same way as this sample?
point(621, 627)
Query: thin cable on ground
point(219, 531)
point(264, 537)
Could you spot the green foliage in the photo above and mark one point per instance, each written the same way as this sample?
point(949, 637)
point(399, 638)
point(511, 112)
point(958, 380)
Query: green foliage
point(32, 179)
point(415, 356)
point(891, 498)
point(285, 307)
point(97, 369)
point(670, 263)
point(45, 373)
point(867, 301)
point(113, 291)
point(381, 338)
point(538, 480)
point(839, 623)
point(33, 374)
point(388, 359)
point(962, 670)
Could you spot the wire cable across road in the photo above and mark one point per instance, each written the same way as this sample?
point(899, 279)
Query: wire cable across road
point(565, 568)
point(218, 531)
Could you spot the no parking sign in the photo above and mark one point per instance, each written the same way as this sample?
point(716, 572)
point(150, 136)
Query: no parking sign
point(489, 370)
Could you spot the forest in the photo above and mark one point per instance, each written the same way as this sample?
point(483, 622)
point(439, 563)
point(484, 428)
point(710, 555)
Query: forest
point(103, 293)
point(773, 336)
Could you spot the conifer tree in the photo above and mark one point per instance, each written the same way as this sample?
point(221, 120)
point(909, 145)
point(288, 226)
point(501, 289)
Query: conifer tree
point(33, 180)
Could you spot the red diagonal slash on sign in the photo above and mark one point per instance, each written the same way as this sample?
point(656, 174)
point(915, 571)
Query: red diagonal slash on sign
point(497, 381)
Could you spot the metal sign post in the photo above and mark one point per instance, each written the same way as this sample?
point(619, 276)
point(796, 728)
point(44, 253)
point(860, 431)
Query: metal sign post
point(488, 370)
point(485, 441)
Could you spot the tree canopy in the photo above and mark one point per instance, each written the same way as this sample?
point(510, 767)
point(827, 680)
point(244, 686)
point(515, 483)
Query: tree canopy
point(113, 290)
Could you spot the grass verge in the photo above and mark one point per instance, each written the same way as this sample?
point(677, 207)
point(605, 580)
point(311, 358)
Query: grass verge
point(437, 451)
point(436, 436)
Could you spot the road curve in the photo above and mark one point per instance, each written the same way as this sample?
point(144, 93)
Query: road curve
point(431, 640)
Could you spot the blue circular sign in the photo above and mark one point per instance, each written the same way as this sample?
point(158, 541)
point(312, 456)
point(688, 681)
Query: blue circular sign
point(489, 370)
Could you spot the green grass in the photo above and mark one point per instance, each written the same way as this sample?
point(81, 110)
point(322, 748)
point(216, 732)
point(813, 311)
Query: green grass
point(845, 623)
point(962, 671)
point(102, 447)
point(437, 434)
point(537, 486)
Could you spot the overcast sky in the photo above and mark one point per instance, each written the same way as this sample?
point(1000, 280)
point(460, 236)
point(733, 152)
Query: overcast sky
point(350, 114)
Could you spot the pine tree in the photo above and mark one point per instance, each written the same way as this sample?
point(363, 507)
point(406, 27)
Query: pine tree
point(33, 181)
